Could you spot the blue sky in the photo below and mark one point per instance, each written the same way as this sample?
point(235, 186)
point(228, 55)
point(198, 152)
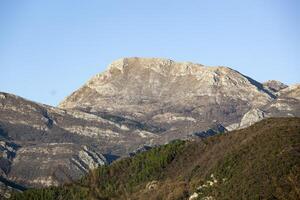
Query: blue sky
point(50, 48)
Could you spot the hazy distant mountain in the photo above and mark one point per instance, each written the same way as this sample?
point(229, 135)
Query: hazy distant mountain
point(137, 102)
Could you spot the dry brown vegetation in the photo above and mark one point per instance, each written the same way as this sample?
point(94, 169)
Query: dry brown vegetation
point(259, 162)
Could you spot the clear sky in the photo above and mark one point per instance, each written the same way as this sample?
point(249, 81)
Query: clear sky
point(49, 48)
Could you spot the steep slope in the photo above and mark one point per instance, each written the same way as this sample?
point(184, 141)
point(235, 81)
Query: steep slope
point(178, 97)
point(258, 162)
point(287, 104)
point(7, 154)
point(40, 147)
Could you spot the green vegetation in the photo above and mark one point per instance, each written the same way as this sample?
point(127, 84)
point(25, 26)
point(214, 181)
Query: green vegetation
point(267, 167)
point(121, 178)
point(125, 175)
point(259, 162)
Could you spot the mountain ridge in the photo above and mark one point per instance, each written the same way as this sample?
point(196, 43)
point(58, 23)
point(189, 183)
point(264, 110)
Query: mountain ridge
point(137, 66)
point(156, 90)
point(258, 162)
point(136, 103)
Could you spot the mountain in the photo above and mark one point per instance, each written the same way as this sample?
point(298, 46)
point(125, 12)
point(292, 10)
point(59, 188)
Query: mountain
point(258, 162)
point(39, 145)
point(135, 105)
point(177, 97)
point(274, 85)
point(287, 104)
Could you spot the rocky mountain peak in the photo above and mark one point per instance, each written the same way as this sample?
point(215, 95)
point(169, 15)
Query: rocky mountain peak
point(161, 66)
point(164, 67)
point(274, 85)
point(153, 63)
point(179, 97)
point(135, 80)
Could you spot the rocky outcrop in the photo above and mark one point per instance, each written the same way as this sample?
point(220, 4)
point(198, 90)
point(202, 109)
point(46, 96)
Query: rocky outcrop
point(251, 117)
point(152, 185)
point(149, 80)
point(215, 129)
point(274, 85)
point(211, 183)
point(287, 104)
point(7, 154)
point(141, 149)
point(292, 91)
point(53, 163)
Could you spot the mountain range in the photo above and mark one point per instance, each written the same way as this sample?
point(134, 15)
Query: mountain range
point(136, 103)
point(258, 162)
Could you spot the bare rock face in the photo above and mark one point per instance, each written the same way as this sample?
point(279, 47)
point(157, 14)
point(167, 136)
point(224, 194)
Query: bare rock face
point(152, 185)
point(37, 148)
point(287, 104)
point(57, 163)
point(7, 154)
point(274, 85)
point(251, 117)
point(42, 145)
point(141, 81)
point(292, 91)
point(215, 129)
point(181, 97)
